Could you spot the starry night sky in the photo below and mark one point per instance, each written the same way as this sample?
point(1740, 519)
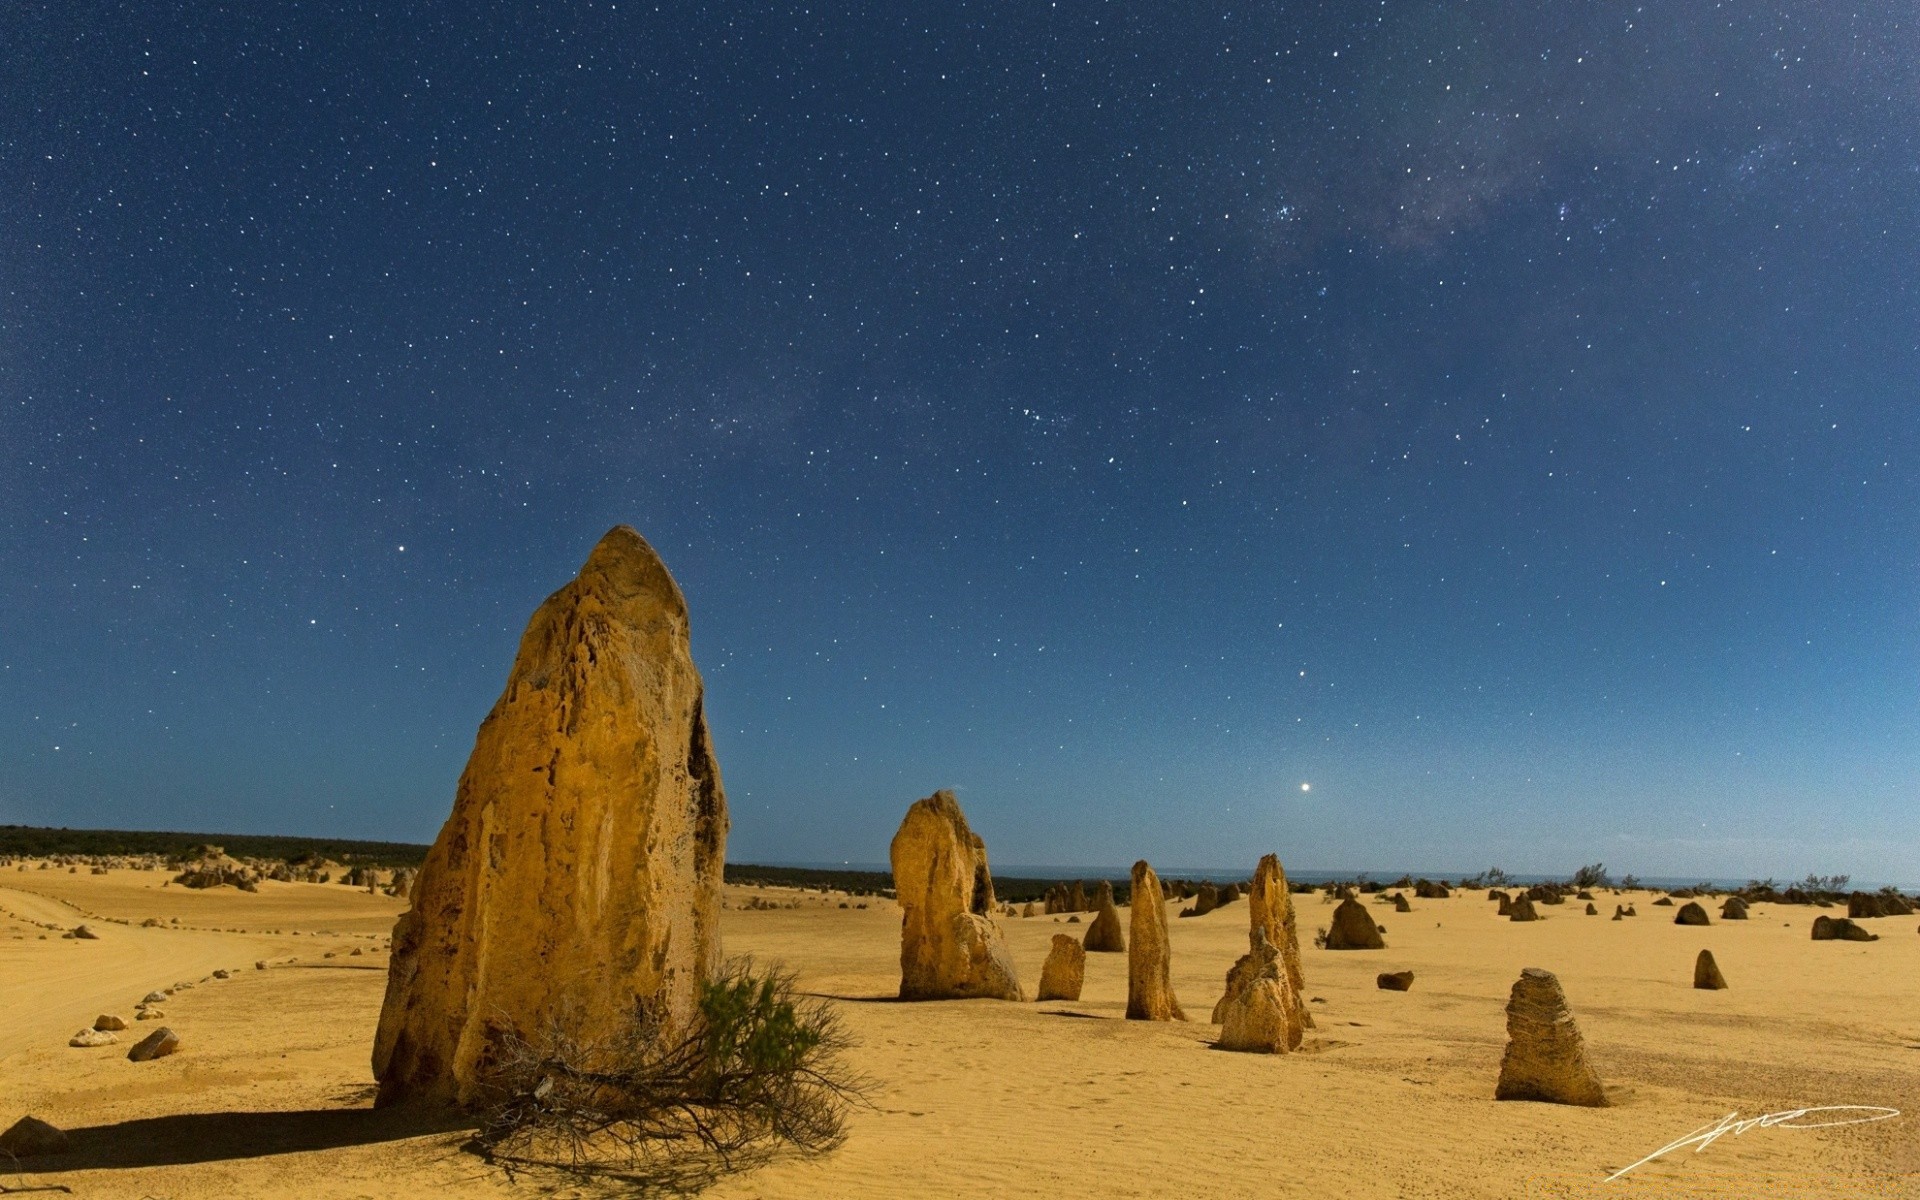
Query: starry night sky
point(1502, 417)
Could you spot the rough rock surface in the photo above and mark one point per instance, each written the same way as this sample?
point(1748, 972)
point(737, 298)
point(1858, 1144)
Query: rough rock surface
point(1105, 936)
point(1270, 915)
point(107, 1022)
point(1353, 929)
point(1149, 988)
point(1706, 972)
point(1546, 1058)
point(30, 1136)
point(1521, 910)
point(1393, 981)
point(158, 1044)
point(1259, 1015)
point(1592, 911)
point(950, 947)
point(1735, 909)
point(92, 1037)
point(1065, 970)
point(1400, 904)
point(1840, 929)
point(1691, 914)
point(579, 873)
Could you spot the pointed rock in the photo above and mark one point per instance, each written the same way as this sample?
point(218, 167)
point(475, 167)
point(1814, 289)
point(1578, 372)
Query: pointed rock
point(1735, 909)
point(1105, 936)
point(30, 1136)
point(1546, 1058)
point(1706, 972)
point(1691, 914)
point(1065, 971)
point(1149, 986)
point(1522, 910)
point(950, 947)
point(1353, 928)
point(579, 873)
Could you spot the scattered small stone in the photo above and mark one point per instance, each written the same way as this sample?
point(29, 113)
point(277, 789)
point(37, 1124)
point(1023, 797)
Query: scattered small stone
point(158, 1044)
point(148, 1014)
point(1394, 981)
point(109, 1022)
point(154, 998)
point(84, 933)
point(92, 1037)
point(223, 973)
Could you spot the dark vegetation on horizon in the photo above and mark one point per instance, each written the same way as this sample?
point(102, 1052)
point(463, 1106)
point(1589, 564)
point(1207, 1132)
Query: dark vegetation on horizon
point(29, 841)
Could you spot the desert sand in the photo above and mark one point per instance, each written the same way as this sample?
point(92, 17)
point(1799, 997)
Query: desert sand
point(1390, 1095)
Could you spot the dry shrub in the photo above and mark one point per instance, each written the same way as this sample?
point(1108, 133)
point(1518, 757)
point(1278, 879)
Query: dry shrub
point(758, 1070)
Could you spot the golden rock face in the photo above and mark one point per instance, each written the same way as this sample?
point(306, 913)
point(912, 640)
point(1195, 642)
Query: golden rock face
point(1149, 986)
point(950, 948)
point(579, 874)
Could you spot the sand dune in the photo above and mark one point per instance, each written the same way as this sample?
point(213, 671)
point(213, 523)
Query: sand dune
point(1391, 1096)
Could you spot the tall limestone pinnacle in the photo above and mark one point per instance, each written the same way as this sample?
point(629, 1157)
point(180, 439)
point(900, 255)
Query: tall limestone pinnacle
point(579, 874)
point(950, 947)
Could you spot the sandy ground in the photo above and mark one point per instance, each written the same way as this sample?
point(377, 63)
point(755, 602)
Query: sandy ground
point(1392, 1096)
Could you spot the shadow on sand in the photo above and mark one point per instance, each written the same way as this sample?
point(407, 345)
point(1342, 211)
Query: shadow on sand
point(189, 1138)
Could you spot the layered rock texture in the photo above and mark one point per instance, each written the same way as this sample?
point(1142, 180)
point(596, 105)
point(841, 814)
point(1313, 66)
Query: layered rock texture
point(578, 878)
point(1546, 1058)
point(1149, 986)
point(950, 948)
point(1105, 936)
point(1065, 971)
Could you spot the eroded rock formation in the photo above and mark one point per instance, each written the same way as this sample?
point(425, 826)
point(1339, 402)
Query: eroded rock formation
point(1105, 936)
point(1706, 972)
point(950, 947)
point(1546, 1058)
point(1353, 928)
point(1065, 971)
point(1149, 986)
point(579, 873)
point(1258, 1014)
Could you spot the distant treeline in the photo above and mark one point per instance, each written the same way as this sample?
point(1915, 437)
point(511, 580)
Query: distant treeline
point(27, 841)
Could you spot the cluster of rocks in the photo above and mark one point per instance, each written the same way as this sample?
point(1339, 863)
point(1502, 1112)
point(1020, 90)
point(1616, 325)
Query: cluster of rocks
point(1208, 896)
point(1878, 904)
point(1840, 929)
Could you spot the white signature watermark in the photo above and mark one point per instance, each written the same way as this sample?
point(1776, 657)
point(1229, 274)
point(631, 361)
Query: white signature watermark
point(1825, 1116)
